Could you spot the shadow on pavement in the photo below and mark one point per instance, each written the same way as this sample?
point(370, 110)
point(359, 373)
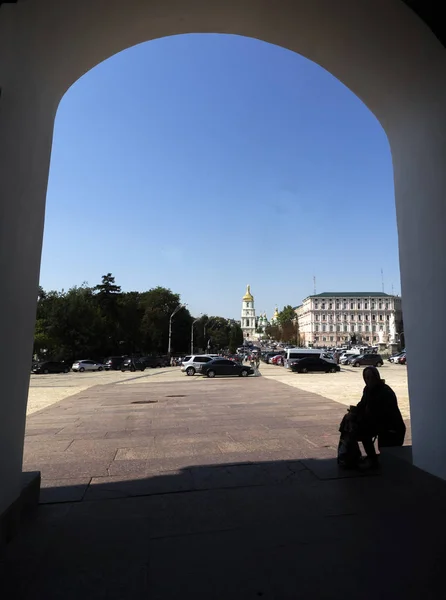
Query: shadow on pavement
point(279, 529)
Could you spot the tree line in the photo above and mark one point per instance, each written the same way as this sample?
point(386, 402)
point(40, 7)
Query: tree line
point(100, 321)
point(287, 328)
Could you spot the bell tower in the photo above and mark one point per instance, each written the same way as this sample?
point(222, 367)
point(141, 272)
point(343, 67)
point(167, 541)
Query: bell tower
point(248, 320)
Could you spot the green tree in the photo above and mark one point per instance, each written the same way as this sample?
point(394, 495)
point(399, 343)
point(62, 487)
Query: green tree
point(289, 327)
point(273, 331)
point(235, 337)
point(286, 315)
point(159, 303)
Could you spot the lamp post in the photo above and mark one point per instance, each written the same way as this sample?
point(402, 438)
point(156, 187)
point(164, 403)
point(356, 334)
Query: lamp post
point(192, 336)
point(179, 307)
point(204, 330)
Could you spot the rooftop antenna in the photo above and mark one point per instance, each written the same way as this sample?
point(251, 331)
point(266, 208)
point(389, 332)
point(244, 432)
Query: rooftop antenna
point(314, 284)
point(382, 280)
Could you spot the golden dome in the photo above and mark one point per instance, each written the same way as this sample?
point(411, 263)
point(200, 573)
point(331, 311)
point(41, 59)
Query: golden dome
point(248, 297)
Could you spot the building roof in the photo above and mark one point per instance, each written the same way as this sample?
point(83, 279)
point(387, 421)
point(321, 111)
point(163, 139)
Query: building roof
point(350, 295)
point(248, 297)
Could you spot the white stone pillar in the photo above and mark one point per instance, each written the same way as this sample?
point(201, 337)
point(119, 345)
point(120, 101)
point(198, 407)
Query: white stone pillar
point(419, 156)
point(26, 125)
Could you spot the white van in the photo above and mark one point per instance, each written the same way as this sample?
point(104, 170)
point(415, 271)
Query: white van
point(293, 353)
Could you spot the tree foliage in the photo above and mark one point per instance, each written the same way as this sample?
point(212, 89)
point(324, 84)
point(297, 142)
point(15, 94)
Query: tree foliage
point(100, 321)
point(287, 328)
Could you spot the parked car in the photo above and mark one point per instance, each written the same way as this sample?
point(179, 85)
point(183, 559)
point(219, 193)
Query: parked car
point(346, 358)
point(395, 357)
point(314, 364)
point(223, 366)
point(50, 367)
point(87, 365)
point(191, 363)
point(402, 360)
point(133, 364)
point(113, 363)
point(277, 360)
point(367, 359)
point(155, 361)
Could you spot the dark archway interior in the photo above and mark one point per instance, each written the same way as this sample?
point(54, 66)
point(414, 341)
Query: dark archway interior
point(429, 11)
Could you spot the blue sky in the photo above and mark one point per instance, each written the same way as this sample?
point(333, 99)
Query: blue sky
point(206, 162)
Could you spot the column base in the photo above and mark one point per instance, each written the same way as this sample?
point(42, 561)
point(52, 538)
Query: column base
point(24, 506)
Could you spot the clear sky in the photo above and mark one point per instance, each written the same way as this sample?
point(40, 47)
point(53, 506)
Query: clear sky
point(205, 162)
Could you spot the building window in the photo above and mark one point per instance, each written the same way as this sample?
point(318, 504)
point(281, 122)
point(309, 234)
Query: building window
point(373, 317)
point(380, 305)
point(331, 338)
point(339, 317)
point(337, 305)
point(359, 328)
point(331, 327)
point(317, 317)
point(345, 305)
point(380, 317)
point(352, 317)
point(367, 317)
point(345, 328)
point(374, 338)
point(351, 305)
point(366, 305)
point(316, 305)
point(324, 328)
point(338, 328)
point(352, 328)
point(323, 305)
point(367, 339)
point(247, 322)
point(316, 328)
point(324, 339)
point(388, 317)
point(373, 328)
point(387, 306)
point(359, 317)
point(324, 317)
point(373, 306)
point(330, 306)
point(331, 317)
point(367, 328)
point(345, 317)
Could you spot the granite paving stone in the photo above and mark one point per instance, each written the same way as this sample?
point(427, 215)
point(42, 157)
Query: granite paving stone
point(232, 491)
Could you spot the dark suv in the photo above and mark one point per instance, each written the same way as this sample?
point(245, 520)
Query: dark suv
point(113, 363)
point(133, 364)
point(50, 367)
point(140, 363)
point(156, 361)
point(367, 359)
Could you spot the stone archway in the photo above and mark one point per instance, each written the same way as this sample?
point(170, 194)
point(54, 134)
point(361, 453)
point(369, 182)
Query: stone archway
point(380, 49)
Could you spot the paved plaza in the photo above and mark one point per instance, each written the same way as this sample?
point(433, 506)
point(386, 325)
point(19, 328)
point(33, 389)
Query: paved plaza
point(160, 486)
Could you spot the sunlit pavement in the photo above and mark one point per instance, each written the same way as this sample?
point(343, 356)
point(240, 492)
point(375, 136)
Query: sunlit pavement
point(45, 390)
point(346, 386)
point(215, 489)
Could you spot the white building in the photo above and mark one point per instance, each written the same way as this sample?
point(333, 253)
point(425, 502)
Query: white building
point(248, 317)
point(335, 318)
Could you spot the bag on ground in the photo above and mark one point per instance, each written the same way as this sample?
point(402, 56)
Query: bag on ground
point(349, 453)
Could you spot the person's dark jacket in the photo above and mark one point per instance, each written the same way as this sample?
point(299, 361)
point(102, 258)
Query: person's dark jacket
point(378, 414)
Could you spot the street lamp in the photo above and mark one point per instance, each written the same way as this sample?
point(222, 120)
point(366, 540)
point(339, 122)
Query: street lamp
point(192, 336)
point(179, 307)
point(204, 329)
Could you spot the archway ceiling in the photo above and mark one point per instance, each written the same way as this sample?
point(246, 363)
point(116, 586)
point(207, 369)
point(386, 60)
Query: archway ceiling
point(429, 11)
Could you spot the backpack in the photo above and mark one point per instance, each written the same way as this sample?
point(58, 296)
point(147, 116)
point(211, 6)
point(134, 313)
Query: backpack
point(349, 453)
